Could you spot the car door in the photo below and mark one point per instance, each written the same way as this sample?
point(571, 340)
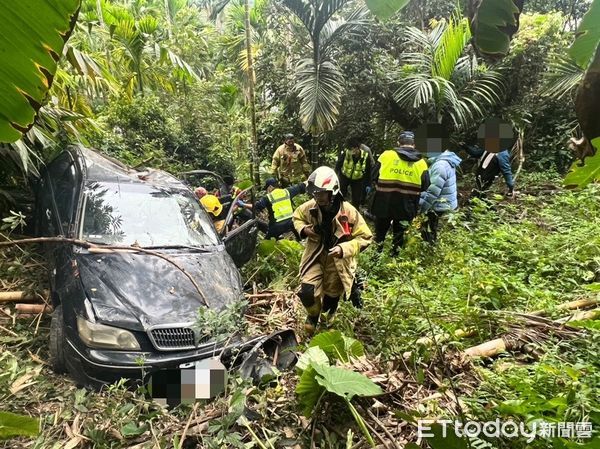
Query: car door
point(240, 243)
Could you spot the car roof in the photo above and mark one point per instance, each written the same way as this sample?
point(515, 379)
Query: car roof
point(101, 168)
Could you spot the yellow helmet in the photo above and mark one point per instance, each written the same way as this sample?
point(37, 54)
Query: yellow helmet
point(212, 205)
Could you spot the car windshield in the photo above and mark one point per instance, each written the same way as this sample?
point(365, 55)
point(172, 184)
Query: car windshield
point(126, 214)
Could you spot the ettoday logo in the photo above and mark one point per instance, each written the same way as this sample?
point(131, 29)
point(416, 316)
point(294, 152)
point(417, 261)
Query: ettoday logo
point(505, 429)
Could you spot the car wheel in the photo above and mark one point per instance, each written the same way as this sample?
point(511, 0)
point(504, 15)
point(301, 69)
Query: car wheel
point(57, 341)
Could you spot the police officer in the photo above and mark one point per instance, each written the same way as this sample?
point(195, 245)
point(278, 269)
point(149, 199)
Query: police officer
point(278, 203)
point(401, 175)
point(354, 170)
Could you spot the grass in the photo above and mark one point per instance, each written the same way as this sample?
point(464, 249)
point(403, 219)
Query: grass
point(493, 260)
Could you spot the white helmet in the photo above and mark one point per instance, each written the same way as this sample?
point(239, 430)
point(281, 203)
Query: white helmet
point(323, 179)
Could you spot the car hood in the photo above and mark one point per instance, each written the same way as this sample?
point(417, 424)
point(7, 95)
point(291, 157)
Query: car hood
point(138, 291)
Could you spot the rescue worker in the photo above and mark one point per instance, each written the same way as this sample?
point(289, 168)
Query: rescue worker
point(213, 206)
point(228, 187)
point(200, 192)
point(278, 203)
point(354, 170)
point(489, 166)
point(336, 233)
point(401, 175)
point(441, 196)
point(289, 162)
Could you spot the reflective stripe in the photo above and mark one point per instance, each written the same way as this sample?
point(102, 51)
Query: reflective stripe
point(281, 204)
point(486, 159)
point(398, 175)
point(352, 170)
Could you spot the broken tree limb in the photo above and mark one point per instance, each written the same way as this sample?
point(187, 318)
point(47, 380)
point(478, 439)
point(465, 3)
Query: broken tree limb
point(34, 308)
point(103, 249)
point(442, 338)
point(22, 296)
point(571, 305)
point(494, 347)
point(580, 316)
point(487, 349)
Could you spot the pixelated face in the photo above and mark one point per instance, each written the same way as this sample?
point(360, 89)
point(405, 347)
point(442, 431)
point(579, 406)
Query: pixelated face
point(432, 139)
point(323, 199)
point(495, 135)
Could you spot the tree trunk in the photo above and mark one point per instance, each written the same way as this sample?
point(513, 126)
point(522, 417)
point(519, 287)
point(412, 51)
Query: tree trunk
point(254, 168)
point(314, 152)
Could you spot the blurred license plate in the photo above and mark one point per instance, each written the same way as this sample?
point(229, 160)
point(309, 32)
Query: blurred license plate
point(203, 379)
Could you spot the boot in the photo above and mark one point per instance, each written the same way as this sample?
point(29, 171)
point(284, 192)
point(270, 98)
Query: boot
point(310, 325)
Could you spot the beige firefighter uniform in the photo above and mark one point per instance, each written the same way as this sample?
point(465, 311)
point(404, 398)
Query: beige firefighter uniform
point(323, 275)
point(290, 166)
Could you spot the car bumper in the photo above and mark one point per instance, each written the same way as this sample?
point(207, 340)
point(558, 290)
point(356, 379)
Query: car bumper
point(98, 367)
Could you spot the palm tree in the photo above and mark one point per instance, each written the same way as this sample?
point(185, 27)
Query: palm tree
point(563, 77)
point(319, 81)
point(440, 81)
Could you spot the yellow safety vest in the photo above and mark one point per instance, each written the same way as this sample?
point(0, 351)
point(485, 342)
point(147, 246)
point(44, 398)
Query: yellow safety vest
point(354, 171)
point(281, 204)
point(398, 175)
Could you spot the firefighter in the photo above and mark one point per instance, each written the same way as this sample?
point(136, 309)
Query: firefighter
point(336, 233)
point(354, 171)
point(401, 175)
point(289, 162)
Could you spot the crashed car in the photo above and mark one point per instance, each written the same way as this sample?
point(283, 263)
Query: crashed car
point(121, 312)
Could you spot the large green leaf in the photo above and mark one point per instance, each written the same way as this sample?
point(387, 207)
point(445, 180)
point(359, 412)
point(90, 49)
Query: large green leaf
point(33, 35)
point(588, 36)
point(308, 390)
point(338, 346)
point(493, 23)
point(384, 9)
point(12, 425)
point(314, 355)
point(580, 176)
point(345, 383)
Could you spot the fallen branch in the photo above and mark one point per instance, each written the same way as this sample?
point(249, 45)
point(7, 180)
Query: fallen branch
point(16, 296)
point(572, 305)
point(580, 316)
point(33, 308)
point(494, 347)
point(106, 249)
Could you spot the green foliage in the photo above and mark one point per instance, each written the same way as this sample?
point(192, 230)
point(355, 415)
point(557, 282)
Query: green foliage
point(494, 22)
point(277, 263)
point(384, 9)
point(337, 346)
point(219, 324)
point(318, 377)
point(581, 175)
point(33, 36)
point(440, 82)
point(588, 37)
point(13, 425)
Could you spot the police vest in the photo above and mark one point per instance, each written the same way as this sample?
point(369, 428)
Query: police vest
point(281, 204)
point(398, 175)
point(352, 170)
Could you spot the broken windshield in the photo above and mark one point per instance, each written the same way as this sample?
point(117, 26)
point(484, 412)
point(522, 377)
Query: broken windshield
point(145, 215)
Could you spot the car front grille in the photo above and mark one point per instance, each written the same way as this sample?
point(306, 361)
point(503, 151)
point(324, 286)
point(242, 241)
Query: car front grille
point(173, 338)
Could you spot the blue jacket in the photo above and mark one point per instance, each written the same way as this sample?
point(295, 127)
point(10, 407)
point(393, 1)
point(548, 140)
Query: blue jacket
point(503, 158)
point(441, 196)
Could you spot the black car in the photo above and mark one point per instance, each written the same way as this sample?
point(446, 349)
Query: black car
point(126, 313)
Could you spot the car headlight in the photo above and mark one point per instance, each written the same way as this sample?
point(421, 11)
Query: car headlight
point(97, 335)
